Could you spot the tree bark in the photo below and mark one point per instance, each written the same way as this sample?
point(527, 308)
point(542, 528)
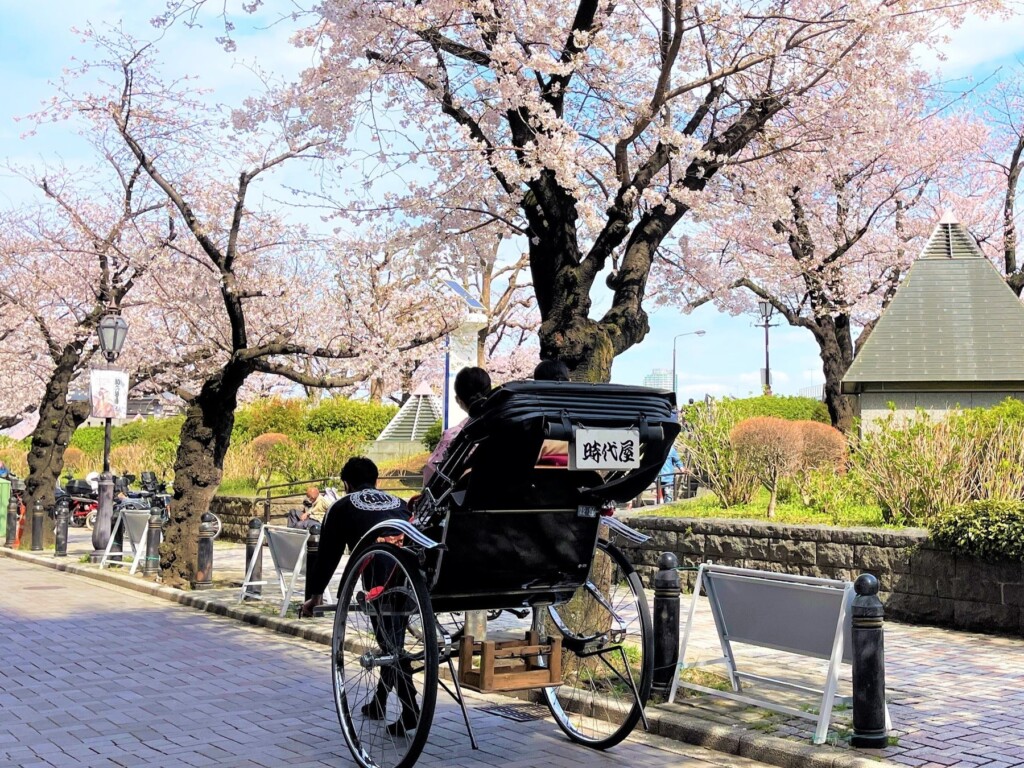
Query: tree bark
point(835, 346)
point(58, 420)
point(198, 469)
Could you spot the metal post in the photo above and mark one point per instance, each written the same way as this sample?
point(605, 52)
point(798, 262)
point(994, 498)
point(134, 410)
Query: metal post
point(154, 532)
point(252, 537)
point(869, 721)
point(12, 520)
point(445, 406)
point(312, 548)
point(62, 513)
point(204, 564)
point(666, 623)
point(767, 365)
point(105, 505)
point(37, 525)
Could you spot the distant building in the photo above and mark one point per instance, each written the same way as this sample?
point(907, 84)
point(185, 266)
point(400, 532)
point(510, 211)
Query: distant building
point(659, 378)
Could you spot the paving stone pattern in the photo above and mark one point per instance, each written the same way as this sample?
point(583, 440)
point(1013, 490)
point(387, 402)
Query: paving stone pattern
point(95, 676)
point(956, 698)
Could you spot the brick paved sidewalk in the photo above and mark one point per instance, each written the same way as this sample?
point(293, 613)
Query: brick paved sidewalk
point(93, 676)
point(955, 698)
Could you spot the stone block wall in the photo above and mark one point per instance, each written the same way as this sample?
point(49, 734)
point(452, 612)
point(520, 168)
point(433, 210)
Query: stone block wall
point(919, 582)
point(235, 512)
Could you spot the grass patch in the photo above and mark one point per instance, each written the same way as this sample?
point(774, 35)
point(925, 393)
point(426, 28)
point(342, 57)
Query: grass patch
point(702, 677)
point(789, 512)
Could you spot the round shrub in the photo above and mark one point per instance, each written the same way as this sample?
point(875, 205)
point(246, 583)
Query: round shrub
point(263, 444)
point(821, 446)
point(988, 530)
point(770, 448)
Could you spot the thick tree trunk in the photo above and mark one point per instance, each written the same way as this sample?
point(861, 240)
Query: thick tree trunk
point(198, 470)
point(835, 345)
point(58, 420)
point(584, 346)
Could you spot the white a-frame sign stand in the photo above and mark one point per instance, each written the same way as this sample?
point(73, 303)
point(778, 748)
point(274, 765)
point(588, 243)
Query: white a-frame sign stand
point(797, 614)
point(135, 523)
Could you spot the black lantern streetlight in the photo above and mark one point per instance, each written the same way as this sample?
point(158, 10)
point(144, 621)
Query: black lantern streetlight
point(112, 331)
point(765, 308)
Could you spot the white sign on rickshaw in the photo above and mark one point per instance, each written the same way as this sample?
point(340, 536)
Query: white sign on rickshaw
point(606, 449)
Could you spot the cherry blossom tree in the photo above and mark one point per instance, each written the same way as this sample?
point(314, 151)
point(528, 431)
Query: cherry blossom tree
point(76, 251)
point(597, 126)
point(825, 232)
point(242, 275)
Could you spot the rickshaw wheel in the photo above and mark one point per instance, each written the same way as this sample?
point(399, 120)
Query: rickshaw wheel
point(384, 658)
point(607, 653)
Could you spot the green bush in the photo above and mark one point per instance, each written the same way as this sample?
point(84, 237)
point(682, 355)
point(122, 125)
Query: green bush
point(839, 495)
point(433, 435)
point(274, 414)
point(989, 530)
point(705, 442)
point(352, 418)
point(89, 440)
point(918, 467)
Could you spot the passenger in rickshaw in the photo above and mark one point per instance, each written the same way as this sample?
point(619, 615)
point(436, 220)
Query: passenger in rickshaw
point(472, 385)
point(347, 523)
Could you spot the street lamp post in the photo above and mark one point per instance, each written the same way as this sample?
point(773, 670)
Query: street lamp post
point(766, 309)
point(112, 330)
point(675, 384)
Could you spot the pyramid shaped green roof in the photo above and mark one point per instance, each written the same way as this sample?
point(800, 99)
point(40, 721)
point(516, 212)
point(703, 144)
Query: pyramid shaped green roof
point(418, 414)
point(953, 319)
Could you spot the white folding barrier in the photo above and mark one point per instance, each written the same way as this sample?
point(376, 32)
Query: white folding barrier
point(135, 524)
point(796, 614)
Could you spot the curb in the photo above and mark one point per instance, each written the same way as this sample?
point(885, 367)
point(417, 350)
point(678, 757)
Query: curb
point(732, 740)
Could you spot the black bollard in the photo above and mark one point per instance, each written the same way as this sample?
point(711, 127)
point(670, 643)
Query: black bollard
point(252, 538)
point(154, 532)
point(312, 548)
point(204, 565)
point(12, 521)
point(869, 728)
point(61, 531)
point(666, 623)
point(37, 525)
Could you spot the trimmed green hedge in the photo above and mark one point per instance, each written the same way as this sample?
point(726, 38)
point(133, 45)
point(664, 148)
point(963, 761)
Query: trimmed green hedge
point(988, 530)
point(792, 408)
point(352, 418)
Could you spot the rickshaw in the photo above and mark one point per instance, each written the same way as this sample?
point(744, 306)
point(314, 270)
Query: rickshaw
point(497, 528)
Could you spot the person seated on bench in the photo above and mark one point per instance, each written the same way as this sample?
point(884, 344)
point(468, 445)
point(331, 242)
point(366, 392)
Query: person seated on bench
point(472, 385)
point(349, 519)
point(553, 453)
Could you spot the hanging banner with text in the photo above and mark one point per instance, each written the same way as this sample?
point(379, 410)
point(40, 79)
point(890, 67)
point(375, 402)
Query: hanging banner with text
point(108, 393)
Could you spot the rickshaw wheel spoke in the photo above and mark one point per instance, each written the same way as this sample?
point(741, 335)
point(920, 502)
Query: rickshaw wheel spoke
point(607, 656)
point(384, 665)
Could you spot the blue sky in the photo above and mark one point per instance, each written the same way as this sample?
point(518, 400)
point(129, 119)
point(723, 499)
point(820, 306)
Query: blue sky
point(36, 42)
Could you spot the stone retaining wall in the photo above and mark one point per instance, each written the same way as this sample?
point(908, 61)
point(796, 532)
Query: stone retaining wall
point(919, 583)
point(235, 512)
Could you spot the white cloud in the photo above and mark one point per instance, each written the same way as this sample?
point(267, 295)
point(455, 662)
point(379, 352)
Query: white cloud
point(978, 47)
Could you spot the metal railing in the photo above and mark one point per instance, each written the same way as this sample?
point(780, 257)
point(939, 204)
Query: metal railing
point(405, 481)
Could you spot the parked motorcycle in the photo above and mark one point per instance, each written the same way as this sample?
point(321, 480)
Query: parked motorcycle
point(83, 501)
